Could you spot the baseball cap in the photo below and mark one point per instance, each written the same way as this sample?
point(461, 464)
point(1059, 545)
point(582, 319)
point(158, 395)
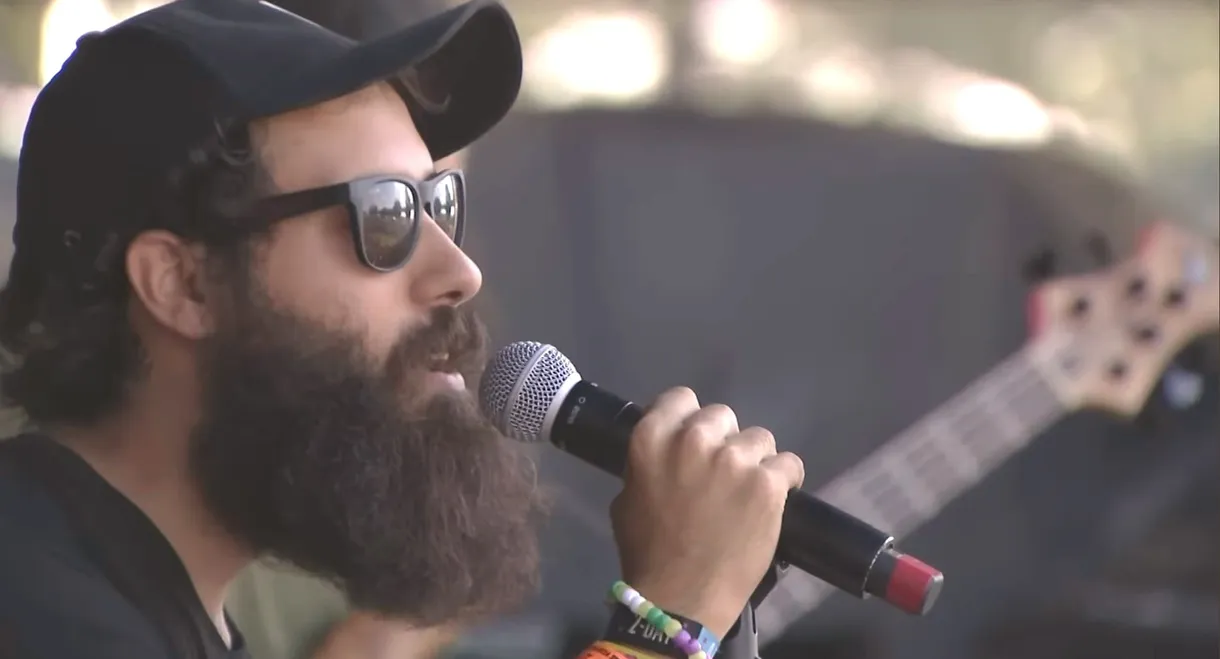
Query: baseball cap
point(133, 101)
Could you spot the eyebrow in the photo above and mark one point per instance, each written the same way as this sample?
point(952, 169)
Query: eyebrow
point(425, 175)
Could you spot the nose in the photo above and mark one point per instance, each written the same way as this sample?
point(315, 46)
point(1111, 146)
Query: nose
point(441, 274)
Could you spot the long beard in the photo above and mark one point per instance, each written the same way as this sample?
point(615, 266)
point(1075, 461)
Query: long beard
point(312, 453)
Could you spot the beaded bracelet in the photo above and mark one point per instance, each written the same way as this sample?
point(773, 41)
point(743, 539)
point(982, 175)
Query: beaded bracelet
point(692, 647)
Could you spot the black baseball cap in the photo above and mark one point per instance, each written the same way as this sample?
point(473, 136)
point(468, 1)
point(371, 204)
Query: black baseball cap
point(131, 103)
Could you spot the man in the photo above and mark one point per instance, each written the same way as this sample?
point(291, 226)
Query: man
point(238, 308)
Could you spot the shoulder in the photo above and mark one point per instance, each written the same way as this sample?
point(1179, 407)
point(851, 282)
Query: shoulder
point(57, 603)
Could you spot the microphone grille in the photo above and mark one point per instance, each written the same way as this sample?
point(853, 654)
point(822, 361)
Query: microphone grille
point(521, 383)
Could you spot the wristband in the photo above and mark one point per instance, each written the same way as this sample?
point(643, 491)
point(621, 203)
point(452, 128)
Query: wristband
point(636, 622)
point(629, 629)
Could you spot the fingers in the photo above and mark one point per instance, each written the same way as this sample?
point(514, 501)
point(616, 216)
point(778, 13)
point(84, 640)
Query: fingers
point(706, 429)
point(664, 419)
point(751, 445)
point(787, 467)
point(676, 423)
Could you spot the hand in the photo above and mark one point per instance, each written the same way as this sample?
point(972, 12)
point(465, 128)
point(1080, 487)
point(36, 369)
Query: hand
point(698, 520)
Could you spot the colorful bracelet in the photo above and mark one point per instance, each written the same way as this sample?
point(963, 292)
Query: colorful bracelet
point(603, 651)
point(703, 647)
point(628, 652)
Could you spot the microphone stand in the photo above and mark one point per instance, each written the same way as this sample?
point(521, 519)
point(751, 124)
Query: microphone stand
point(742, 640)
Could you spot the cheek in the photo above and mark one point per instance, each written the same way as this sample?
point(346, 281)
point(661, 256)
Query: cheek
point(312, 270)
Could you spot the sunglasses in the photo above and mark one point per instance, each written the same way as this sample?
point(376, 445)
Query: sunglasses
point(384, 212)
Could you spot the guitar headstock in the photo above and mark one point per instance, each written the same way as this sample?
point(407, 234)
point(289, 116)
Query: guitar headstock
point(1104, 339)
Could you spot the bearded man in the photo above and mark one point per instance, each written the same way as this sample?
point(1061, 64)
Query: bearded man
point(238, 310)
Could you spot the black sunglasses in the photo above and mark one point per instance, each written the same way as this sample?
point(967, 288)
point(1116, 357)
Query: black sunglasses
point(383, 212)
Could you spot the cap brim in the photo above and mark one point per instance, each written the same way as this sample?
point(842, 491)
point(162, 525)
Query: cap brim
point(459, 72)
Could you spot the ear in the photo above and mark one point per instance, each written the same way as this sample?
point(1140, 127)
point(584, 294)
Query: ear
point(167, 276)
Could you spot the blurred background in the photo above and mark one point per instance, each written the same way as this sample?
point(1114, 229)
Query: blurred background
point(828, 215)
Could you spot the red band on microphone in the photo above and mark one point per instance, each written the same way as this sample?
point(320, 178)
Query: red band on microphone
point(913, 585)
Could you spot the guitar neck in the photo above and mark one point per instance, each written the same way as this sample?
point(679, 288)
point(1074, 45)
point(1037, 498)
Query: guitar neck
point(915, 475)
point(918, 473)
point(1104, 339)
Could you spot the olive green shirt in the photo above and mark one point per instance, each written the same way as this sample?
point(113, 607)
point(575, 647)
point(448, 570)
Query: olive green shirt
point(283, 613)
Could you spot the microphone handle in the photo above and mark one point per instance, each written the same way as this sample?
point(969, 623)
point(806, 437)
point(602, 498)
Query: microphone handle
point(595, 426)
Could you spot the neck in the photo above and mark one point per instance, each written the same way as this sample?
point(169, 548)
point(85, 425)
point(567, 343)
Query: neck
point(143, 453)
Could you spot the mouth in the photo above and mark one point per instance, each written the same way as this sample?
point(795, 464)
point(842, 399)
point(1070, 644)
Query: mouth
point(442, 374)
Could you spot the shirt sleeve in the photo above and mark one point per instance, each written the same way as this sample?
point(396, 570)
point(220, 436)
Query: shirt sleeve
point(55, 605)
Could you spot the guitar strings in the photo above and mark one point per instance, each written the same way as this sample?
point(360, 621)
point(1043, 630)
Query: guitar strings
point(1015, 378)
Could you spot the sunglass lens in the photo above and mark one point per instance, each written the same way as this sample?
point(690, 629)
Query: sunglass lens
point(389, 219)
point(446, 203)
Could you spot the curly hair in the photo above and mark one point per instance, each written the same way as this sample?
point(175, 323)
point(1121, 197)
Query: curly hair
point(71, 355)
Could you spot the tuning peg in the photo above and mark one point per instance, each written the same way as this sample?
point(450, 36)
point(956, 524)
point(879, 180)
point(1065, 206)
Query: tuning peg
point(1040, 267)
point(1185, 380)
point(1099, 249)
point(1182, 388)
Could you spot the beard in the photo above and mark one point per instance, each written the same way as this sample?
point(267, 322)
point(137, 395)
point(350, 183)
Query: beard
point(311, 452)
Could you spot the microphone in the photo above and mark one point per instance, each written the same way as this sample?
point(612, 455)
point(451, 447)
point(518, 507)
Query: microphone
point(532, 393)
